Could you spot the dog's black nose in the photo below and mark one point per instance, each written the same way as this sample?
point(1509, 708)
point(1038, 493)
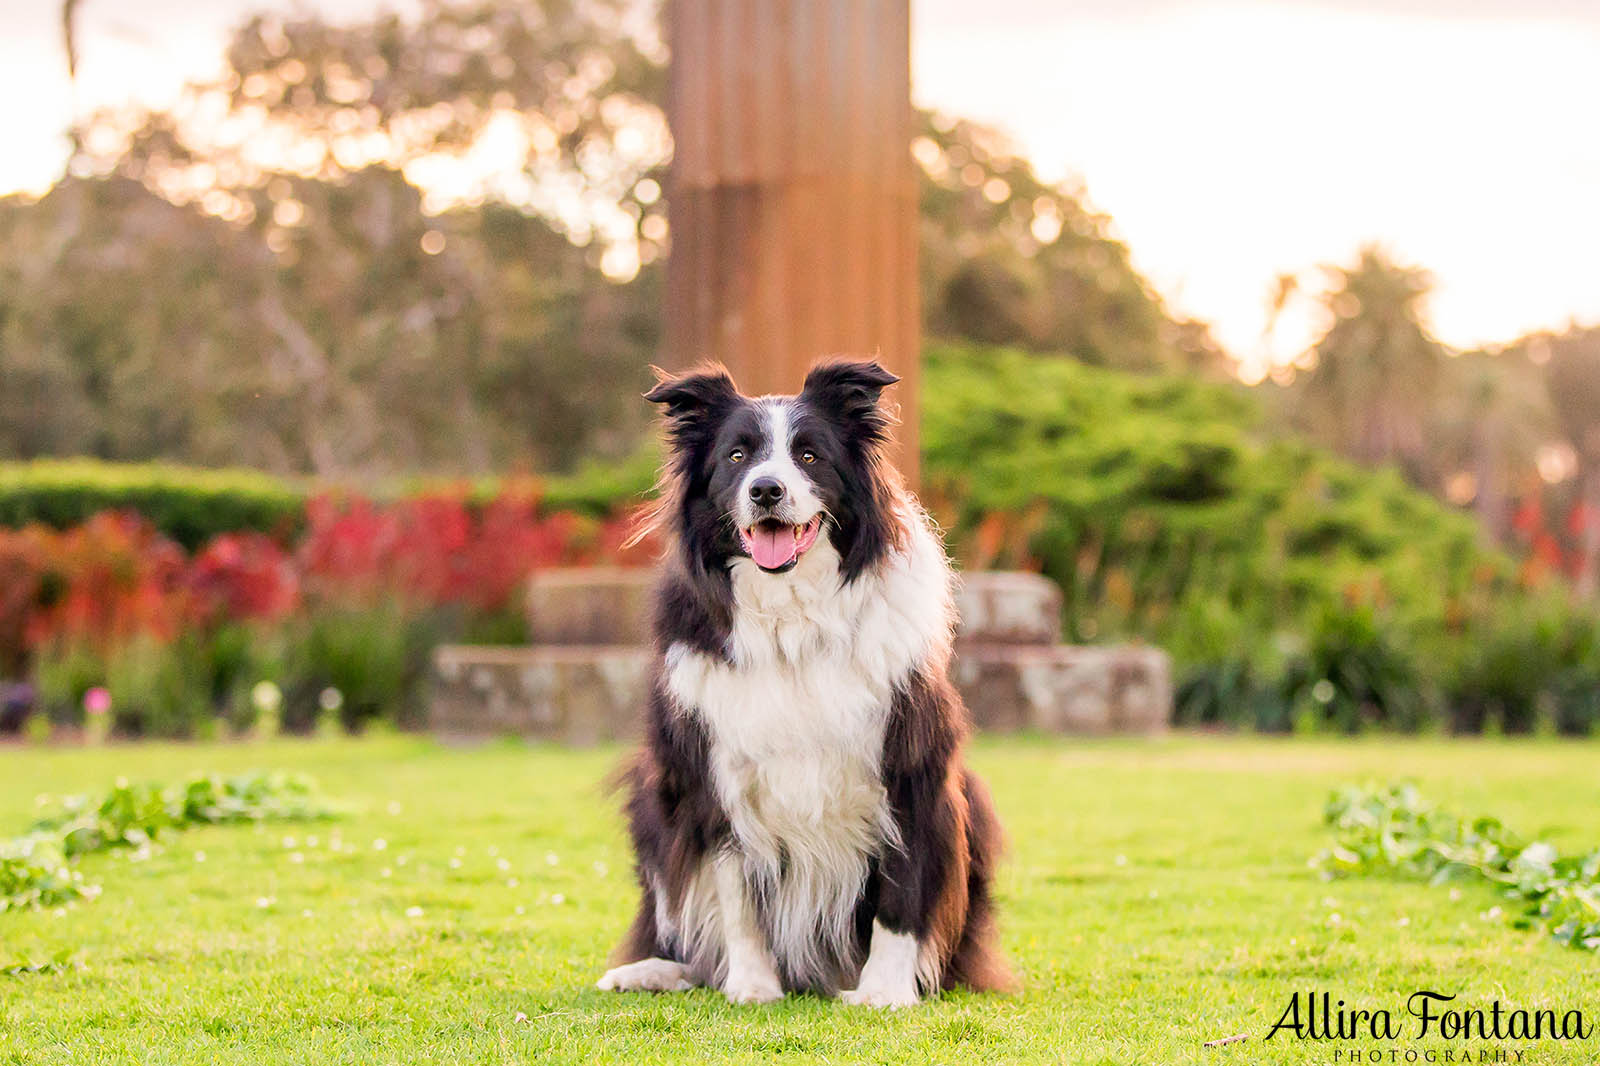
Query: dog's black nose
point(766, 491)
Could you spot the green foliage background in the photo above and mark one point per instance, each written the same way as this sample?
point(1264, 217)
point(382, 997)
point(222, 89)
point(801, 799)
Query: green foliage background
point(1294, 589)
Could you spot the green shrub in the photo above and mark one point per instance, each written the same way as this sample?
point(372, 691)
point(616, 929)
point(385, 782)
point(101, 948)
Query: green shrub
point(600, 489)
point(1527, 667)
point(189, 505)
point(1356, 673)
point(1293, 589)
point(158, 688)
point(369, 664)
point(63, 671)
point(192, 686)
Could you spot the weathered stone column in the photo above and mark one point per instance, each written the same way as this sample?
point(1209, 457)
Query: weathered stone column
point(793, 199)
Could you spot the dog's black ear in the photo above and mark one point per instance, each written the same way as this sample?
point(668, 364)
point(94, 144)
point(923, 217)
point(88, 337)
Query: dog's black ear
point(693, 401)
point(848, 390)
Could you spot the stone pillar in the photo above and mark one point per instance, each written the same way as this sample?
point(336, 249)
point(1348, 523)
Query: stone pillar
point(793, 202)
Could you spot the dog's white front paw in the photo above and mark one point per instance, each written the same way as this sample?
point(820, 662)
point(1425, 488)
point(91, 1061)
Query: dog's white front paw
point(881, 994)
point(752, 986)
point(647, 975)
point(889, 978)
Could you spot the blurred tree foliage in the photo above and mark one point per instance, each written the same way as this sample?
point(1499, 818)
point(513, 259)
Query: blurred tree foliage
point(1572, 362)
point(435, 243)
point(1511, 432)
point(1293, 588)
point(1376, 372)
point(1008, 259)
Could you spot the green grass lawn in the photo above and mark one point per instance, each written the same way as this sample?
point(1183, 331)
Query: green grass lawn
point(1157, 895)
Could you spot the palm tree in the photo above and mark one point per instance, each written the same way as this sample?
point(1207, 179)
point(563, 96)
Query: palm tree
point(1377, 370)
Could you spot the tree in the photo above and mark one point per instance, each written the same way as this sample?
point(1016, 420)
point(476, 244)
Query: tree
point(397, 329)
point(564, 94)
point(1573, 377)
point(1010, 259)
point(1376, 372)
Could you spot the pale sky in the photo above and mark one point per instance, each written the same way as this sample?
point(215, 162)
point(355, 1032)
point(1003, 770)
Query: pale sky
point(1229, 140)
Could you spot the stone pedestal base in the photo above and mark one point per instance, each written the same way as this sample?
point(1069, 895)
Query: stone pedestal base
point(1008, 607)
point(586, 677)
point(575, 695)
point(1065, 688)
point(591, 605)
point(588, 694)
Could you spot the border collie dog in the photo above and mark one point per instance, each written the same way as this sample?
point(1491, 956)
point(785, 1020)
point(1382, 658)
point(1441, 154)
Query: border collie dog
point(800, 811)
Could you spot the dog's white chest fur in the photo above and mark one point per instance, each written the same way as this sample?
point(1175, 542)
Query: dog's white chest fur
point(796, 722)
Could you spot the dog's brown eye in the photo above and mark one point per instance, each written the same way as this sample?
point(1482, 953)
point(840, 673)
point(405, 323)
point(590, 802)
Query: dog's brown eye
point(736, 456)
point(808, 457)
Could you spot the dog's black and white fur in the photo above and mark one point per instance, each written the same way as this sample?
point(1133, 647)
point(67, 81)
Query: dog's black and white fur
point(800, 811)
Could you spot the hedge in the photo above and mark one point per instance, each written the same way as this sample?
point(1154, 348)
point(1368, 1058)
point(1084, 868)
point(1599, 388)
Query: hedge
point(192, 505)
point(189, 505)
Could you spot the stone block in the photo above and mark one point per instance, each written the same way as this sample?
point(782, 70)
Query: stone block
point(591, 605)
point(573, 694)
point(1065, 688)
point(589, 694)
point(614, 605)
point(1008, 607)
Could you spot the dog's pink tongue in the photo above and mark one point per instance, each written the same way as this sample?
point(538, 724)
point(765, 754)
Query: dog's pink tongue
point(772, 546)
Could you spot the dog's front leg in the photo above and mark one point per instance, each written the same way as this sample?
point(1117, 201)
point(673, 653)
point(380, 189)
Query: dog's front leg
point(921, 893)
point(889, 978)
point(752, 973)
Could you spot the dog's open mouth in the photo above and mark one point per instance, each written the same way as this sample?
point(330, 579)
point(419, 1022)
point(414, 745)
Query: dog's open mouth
point(776, 546)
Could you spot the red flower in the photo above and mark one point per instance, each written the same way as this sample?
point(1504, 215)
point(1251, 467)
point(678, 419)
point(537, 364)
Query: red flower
point(243, 577)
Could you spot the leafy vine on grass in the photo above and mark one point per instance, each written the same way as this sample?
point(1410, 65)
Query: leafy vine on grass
point(37, 869)
point(1394, 830)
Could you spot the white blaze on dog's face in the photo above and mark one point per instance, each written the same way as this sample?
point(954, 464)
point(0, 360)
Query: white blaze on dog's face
point(777, 509)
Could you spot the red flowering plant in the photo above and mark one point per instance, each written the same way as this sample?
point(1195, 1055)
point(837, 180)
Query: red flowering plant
point(346, 618)
point(242, 577)
point(108, 580)
point(383, 584)
point(22, 555)
point(441, 548)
